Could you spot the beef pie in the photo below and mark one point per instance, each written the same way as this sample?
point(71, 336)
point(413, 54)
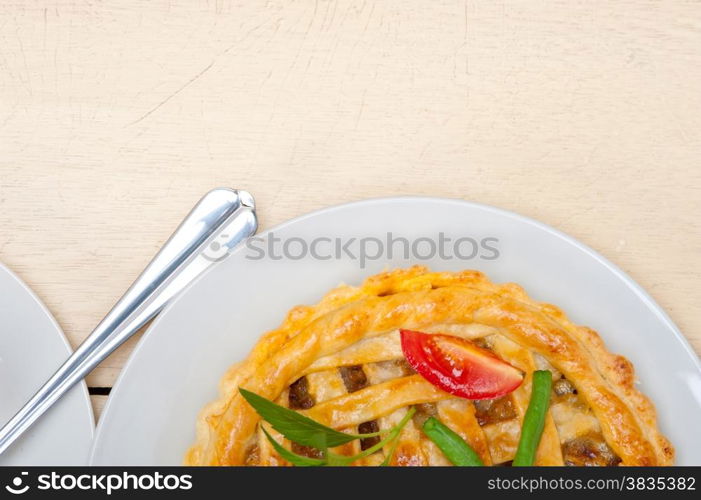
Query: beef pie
point(431, 368)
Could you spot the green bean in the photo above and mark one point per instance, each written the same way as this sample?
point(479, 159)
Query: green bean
point(452, 445)
point(534, 420)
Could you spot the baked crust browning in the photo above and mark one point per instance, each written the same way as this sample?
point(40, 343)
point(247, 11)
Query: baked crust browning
point(347, 349)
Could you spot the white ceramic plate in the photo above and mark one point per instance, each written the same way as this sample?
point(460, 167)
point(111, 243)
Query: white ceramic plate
point(32, 346)
point(149, 419)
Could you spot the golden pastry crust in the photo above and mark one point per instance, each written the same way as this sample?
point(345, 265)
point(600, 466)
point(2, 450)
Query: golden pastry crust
point(601, 416)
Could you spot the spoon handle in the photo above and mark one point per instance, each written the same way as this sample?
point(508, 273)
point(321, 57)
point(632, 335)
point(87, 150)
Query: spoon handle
point(220, 220)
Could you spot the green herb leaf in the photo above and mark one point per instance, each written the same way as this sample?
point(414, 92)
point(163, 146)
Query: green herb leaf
point(399, 427)
point(335, 460)
point(393, 434)
point(390, 453)
point(291, 457)
point(305, 431)
point(295, 426)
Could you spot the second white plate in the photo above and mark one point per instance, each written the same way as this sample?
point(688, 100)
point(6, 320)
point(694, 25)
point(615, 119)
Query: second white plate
point(32, 346)
point(149, 418)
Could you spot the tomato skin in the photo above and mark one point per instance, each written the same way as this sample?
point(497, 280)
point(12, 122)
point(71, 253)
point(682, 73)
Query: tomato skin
point(458, 366)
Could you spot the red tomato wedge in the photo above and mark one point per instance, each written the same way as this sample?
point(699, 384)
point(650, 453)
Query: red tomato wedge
point(458, 366)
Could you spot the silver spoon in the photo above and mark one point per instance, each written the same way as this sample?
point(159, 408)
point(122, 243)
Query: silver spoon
point(220, 220)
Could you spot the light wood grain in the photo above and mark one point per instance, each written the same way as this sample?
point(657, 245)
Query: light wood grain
point(98, 404)
point(115, 117)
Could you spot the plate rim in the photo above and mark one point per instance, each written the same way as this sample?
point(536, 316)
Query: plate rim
point(636, 288)
point(64, 342)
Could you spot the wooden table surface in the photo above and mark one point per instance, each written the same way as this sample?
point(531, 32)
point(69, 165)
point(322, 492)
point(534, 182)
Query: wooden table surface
point(115, 117)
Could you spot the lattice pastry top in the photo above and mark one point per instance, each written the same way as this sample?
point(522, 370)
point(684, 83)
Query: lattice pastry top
point(340, 362)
